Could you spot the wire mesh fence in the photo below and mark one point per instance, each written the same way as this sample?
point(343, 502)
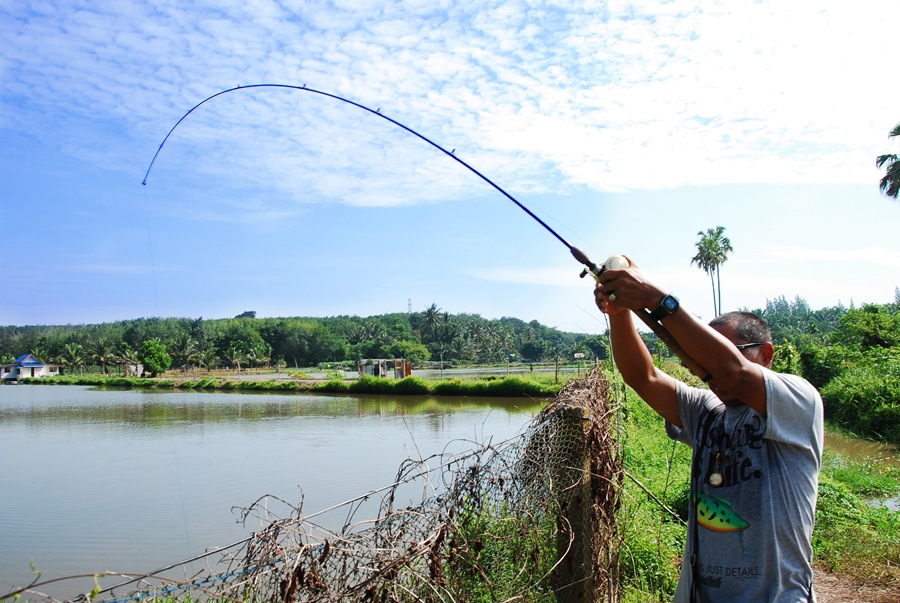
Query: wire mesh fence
point(529, 519)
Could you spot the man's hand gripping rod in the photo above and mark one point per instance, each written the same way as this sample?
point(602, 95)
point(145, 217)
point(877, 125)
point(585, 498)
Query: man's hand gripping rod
point(618, 262)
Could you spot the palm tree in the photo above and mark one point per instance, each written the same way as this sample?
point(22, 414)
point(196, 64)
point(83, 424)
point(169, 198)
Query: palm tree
point(432, 319)
point(724, 248)
point(104, 352)
point(185, 350)
point(209, 359)
point(890, 183)
point(260, 353)
point(234, 356)
point(704, 261)
point(712, 251)
point(129, 359)
point(72, 357)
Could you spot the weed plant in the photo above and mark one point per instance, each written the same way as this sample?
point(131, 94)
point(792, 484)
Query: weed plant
point(865, 397)
point(491, 557)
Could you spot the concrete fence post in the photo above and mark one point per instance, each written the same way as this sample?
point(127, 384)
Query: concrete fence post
point(571, 485)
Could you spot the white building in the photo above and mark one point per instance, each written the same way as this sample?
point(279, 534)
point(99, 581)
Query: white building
point(27, 365)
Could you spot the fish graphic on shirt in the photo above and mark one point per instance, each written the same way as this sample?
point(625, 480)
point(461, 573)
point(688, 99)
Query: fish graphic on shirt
point(717, 515)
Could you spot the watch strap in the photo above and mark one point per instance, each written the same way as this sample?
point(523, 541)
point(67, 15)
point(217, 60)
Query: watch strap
point(663, 310)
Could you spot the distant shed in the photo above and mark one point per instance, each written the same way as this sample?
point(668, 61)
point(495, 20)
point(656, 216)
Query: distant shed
point(398, 368)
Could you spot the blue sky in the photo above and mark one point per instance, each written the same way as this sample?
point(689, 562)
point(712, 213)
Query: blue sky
point(626, 126)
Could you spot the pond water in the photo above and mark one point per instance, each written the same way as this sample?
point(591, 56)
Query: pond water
point(873, 453)
point(864, 450)
point(130, 481)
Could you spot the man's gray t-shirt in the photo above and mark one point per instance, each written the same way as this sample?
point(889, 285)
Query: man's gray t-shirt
point(755, 528)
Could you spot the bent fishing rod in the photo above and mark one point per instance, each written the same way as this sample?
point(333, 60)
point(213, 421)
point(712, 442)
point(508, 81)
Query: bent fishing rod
point(614, 262)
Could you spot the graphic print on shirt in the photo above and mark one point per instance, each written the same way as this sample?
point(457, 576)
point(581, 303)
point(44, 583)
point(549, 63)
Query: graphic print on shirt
point(717, 515)
point(728, 463)
point(730, 455)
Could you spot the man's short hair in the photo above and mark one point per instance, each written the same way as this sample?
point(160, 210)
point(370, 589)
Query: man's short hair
point(748, 327)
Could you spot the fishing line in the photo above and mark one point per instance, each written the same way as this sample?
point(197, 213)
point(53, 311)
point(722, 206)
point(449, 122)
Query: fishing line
point(150, 249)
point(577, 253)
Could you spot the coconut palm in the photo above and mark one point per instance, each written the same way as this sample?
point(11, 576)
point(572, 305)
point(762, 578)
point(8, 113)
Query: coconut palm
point(209, 359)
point(73, 357)
point(432, 319)
point(104, 353)
point(890, 183)
point(185, 350)
point(712, 251)
point(234, 356)
point(704, 260)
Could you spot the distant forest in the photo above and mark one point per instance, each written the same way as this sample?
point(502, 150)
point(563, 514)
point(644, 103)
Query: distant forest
point(419, 337)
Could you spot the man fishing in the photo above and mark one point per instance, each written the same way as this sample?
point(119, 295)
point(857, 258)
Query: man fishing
point(757, 439)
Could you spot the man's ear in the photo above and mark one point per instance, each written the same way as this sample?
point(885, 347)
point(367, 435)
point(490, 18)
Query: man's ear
point(768, 354)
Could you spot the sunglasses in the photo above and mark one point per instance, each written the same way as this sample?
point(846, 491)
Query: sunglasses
point(744, 346)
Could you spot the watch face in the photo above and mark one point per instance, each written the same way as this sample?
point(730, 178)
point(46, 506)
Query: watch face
point(670, 303)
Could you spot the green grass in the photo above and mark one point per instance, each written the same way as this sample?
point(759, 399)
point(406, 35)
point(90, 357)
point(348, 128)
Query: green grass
point(855, 534)
point(493, 557)
point(656, 486)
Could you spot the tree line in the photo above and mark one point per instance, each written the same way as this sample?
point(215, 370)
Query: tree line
point(852, 355)
point(247, 341)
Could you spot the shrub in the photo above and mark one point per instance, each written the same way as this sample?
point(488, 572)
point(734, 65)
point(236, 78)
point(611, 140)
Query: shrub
point(820, 363)
point(411, 386)
point(448, 387)
point(372, 385)
point(865, 397)
point(333, 386)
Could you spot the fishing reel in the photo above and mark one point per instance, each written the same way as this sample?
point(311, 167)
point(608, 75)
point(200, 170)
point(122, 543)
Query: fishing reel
point(613, 262)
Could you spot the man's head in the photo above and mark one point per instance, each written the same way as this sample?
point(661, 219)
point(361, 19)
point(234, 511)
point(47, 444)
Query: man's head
point(750, 333)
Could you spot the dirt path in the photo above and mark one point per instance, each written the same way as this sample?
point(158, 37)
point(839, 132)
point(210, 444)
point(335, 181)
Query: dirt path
point(831, 588)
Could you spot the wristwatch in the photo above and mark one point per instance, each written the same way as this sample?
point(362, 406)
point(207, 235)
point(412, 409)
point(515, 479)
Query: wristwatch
point(667, 306)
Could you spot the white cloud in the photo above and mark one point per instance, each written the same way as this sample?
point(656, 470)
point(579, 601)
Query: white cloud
point(614, 96)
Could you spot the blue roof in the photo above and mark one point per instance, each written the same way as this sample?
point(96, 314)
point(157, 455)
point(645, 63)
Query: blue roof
point(28, 360)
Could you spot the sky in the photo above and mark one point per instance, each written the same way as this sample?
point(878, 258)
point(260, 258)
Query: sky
point(627, 127)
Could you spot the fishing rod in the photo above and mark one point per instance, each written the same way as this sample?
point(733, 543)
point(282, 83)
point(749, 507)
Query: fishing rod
point(579, 255)
point(614, 262)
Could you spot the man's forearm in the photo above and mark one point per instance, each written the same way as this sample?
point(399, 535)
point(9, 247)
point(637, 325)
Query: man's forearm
point(702, 343)
point(631, 355)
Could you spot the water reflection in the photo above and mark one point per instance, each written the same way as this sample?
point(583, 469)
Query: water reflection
point(161, 409)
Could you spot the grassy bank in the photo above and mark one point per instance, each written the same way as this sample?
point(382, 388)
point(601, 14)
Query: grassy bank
point(503, 387)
